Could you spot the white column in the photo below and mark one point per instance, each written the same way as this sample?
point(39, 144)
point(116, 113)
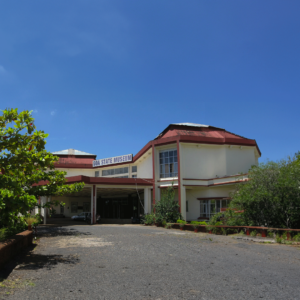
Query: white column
point(147, 200)
point(44, 201)
point(183, 202)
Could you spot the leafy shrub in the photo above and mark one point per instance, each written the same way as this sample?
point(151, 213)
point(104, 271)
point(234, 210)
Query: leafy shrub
point(149, 219)
point(270, 234)
point(278, 239)
point(195, 226)
point(39, 220)
point(182, 224)
point(253, 233)
point(284, 236)
point(198, 223)
point(3, 232)
point(215, 230)
point(271, 196)
point(167, 208)
point(224, 231)
point(296, 237)
point(164, 223)
point(181, 221)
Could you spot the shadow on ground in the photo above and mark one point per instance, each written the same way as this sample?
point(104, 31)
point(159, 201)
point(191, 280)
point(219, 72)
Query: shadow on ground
point(49, 231)
point(28, 260)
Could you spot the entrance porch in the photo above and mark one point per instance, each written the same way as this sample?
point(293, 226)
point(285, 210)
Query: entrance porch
point(116, 204)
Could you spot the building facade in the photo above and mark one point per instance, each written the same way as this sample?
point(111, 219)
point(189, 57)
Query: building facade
point(201, 162)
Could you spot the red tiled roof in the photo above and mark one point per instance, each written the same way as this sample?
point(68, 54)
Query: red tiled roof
point(212, 132)
point(203, 134)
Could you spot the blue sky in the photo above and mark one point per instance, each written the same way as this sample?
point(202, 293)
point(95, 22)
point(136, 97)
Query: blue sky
point(106, 77)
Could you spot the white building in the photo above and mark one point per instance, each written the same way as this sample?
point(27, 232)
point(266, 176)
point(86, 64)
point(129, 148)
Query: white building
point(202, 162)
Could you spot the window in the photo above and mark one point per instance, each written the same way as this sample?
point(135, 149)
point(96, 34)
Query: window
point(115, 171)
point(168, 163)
point(74, 207)
point(134, 169)
point(134, 176)
point(187, 206)
point(210, 207)
point(96, 173)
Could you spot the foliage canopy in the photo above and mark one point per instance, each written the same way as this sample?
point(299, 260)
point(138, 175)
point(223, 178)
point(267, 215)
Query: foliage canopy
point(271, 197)
point(24, 163)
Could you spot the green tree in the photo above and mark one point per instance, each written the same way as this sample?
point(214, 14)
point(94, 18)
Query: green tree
point(271, 197)
point(24, 164)
point(167, 209)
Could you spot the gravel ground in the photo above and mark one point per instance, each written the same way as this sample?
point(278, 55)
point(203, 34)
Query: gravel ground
point(141, 262)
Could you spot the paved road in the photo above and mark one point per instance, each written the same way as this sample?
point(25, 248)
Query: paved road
point(139, 262)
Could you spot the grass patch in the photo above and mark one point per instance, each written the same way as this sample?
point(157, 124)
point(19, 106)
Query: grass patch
point(8, 286)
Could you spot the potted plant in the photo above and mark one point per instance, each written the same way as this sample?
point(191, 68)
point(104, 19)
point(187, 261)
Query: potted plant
point(181, 225)
point(196, 227)
point(169, 225)
point(30, 221)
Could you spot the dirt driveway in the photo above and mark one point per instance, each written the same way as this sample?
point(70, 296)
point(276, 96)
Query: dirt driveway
point(138, 262)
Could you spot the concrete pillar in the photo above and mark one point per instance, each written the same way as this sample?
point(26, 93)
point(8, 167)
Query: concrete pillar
point(183, 202)
point(44, 200)
point(147, 200)
point(157, 196)
point(93, 204)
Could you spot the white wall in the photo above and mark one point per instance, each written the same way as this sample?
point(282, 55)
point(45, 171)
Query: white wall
point(144, 168)
point(239, 160)
point(76, 172)
point(211, 161)
point(203, 162)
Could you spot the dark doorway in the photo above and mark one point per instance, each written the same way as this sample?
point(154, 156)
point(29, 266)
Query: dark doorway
point(118, 208)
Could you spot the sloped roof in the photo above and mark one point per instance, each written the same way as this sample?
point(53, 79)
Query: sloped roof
point(72, 152)
point(203, 133)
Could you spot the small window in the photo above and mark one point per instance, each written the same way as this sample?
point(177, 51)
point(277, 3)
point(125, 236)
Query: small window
point(117, 171)
point(187, 206)
point(96, 173)
point(134, 169)
point(134, 176)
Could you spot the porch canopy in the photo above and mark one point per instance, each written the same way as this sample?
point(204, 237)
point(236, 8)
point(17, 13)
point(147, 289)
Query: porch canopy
point(112, 198)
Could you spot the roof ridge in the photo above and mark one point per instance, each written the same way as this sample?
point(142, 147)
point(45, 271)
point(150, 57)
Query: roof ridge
point(72, 151)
